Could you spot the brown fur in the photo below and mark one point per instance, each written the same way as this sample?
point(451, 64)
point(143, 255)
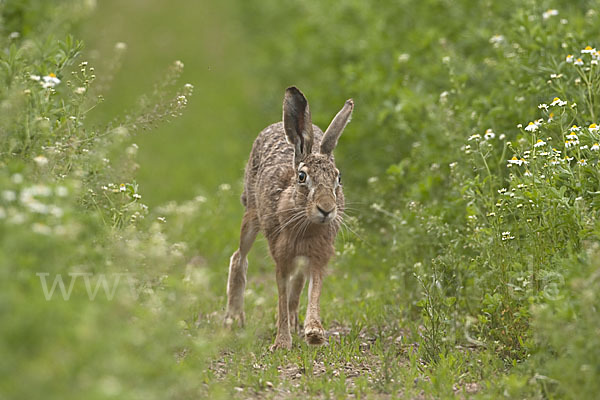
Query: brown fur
point(299, 219)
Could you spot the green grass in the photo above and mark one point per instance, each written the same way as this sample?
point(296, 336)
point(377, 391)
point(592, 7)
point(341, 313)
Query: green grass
point(460, 276)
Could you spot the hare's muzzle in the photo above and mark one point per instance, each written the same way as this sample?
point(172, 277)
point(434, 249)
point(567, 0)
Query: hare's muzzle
point(324, 213)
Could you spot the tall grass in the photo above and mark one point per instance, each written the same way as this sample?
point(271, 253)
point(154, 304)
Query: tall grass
point(471, 169)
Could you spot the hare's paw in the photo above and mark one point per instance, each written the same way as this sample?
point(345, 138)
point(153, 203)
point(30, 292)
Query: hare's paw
point(231, 318)
point(281, 343)
point(314, 333)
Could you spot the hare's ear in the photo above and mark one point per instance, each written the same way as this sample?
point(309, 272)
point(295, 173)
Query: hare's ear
point(297, 123)
point(336, 127)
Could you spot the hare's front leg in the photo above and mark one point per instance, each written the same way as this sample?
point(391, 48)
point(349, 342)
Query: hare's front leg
point(313, 330)
point(283, 340)
point(238, 266)
point(296, 285)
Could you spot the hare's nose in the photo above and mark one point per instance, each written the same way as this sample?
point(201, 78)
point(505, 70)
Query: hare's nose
point(325, 213)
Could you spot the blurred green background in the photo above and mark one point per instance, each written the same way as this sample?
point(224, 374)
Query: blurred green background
point(236, 92)
point(206, 146)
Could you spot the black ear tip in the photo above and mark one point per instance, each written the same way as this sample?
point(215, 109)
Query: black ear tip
point(350, 102)
point(293, 90)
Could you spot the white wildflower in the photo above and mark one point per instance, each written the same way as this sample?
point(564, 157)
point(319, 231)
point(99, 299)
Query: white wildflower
point(9, 195)
point(549, 13)
point(570, 143)
point(588, 50)
point(507, 236)
point(17, 178)
point(40, 161)
point(489, 134)
point(497, 40)
point(41, 229)
point(50, 81)
point(532, 127)
point(515, 160)
point(61, 191)
point(539, 143)
point(404, 57)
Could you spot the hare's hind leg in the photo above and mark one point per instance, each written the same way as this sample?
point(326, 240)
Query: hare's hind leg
point(238, 265)
point(313, 330)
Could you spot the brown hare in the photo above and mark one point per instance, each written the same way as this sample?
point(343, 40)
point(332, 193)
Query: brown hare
point(293, 194)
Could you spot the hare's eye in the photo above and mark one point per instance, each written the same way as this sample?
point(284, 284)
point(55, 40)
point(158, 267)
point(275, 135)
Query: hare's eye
point(302, 177)
point(340, 178)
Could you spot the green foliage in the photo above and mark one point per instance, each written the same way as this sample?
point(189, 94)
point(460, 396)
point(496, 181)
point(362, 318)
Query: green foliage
point(469, 260)
point(478, 209)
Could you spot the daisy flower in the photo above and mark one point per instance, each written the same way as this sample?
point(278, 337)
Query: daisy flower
point(515, 160)
point(543, 106)
point(507, 236)
point(539, 143)
point(579, 61)
point(496, 40)
point(489, 134)
point(474, 137)
point(40, 160)
point(531, 127)
point(558, 102)
point(571, 143)
point(570, 58)
point(575, 128)
point(595, 147)
point(593, 128)
point(549, 13)
point(572, 136)
point(582, 162)
point(588, 50)
point(50, 81)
